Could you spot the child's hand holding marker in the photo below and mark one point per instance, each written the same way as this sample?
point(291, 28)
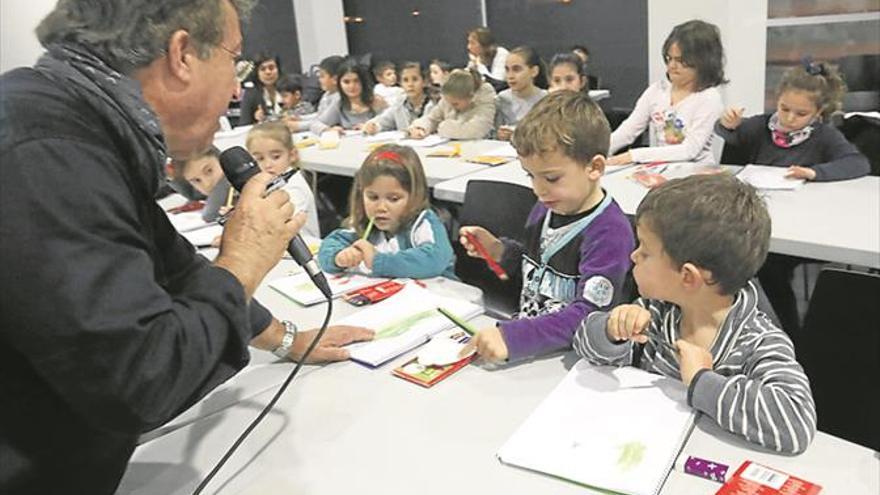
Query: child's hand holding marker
point(480, 243)
point(359, 250)
point(489, 344)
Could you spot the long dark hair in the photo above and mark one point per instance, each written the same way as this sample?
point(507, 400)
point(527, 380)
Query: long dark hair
point(532, 59)
point(700, 45)
point(259, 59)
point(351, 66)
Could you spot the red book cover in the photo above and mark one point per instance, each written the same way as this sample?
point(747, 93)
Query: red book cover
point(754, 479)
point(427, 376)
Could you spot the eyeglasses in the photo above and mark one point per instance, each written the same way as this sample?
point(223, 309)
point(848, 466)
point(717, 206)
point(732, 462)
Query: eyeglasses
point(243, 68)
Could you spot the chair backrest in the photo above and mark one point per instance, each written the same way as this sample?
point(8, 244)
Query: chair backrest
point(501, 208)
point(839, 348)
point(864, 133)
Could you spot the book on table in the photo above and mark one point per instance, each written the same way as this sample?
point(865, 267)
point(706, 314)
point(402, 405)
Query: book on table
point(615, 429)
point(403, 322)
point(300, 289)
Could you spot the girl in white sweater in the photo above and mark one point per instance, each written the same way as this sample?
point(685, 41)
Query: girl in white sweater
point(682, 108)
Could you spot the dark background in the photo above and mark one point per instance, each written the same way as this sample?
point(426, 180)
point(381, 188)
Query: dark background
point(390, 31)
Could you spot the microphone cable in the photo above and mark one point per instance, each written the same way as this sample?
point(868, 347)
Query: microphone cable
point(269, 406)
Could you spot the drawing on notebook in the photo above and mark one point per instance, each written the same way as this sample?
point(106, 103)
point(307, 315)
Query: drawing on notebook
point(401, 325)
point(631, 455)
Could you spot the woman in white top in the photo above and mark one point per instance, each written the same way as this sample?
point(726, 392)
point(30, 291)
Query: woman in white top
point(484, 55)
point(682, 108)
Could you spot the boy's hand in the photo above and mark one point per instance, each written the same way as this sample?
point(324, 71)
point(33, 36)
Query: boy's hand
point(349, 257)
point(798, 172)
point(371, 128)
point(367, 250)
point(732, 117)
point(691, 359)
point(504, 133)
point(417, 132)
point(489, 344)
point(493, 245)
point(628, 322)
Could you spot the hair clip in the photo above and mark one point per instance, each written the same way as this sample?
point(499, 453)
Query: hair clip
point(389, 155)
point(813, 68)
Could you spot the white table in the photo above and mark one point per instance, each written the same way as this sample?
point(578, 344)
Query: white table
point(832, 221)
point(344, 428)
point(352, 150)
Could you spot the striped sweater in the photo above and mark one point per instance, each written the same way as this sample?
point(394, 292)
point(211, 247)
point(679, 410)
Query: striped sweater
point(755, 389)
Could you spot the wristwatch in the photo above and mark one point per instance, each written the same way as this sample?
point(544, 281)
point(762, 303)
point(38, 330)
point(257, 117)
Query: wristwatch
point(286, 341)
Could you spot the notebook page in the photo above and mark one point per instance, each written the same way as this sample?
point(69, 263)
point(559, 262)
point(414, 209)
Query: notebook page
point(617, 429)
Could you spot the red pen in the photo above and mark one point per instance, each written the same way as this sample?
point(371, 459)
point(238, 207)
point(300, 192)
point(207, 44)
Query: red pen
point(493, 265)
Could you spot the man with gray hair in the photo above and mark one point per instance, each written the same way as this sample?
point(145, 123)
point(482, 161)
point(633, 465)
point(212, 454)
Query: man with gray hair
point(110, 324)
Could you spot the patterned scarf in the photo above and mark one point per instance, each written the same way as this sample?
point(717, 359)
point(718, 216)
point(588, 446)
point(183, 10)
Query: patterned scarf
point(117, 98)
point(787, 139)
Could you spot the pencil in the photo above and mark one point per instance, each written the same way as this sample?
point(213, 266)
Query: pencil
point(368, 230)
point(229, 197)
point(458, 321)
point(493, 265)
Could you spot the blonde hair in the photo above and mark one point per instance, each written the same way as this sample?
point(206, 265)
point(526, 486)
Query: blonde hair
point(822, 80)
point(392, 160)
point(565, 120)
point(462, 83)
point(276, 131)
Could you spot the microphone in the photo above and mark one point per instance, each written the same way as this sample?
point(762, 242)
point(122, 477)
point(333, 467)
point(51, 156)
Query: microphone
point(239, 166)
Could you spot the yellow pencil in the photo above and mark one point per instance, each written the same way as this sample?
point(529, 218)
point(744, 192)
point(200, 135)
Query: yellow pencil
point(229, 197)
point(367, 231)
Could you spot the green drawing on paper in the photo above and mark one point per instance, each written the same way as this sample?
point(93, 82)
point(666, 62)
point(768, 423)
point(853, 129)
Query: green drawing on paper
point(400, 326)
point(631, 455)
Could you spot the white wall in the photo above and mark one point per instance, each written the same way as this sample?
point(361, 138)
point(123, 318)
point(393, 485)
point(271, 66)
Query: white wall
point(320, 29)
point(18, 43)
point(743, 28)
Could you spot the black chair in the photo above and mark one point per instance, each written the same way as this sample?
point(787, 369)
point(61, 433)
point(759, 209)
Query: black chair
point(502, 209)
point(864, 133)
point(839, 348)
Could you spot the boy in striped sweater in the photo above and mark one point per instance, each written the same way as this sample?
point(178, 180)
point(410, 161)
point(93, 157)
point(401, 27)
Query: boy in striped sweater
point(701, 239)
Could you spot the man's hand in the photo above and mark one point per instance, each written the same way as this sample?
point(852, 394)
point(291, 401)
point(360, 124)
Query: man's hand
point(330, 347)
point(257, 233)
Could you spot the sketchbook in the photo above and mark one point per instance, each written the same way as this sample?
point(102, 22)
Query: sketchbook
point(768, 178)
point(404, 321)
point(299, 288)
point(617, 429)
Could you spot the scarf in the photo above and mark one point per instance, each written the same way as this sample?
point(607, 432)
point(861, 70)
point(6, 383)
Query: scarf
point(117, 98)
point(787, 139)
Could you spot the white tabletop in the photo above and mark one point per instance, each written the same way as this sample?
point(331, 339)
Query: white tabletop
point(831, 221)
point(345, 428)
point(352, 150)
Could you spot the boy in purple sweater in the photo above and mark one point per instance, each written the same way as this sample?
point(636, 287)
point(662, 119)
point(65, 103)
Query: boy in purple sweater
point(576, 253)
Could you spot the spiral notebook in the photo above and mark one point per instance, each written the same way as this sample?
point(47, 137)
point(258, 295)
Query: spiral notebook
point(615, 429)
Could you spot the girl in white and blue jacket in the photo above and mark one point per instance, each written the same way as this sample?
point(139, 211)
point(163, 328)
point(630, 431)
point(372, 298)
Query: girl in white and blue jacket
point(392, 231)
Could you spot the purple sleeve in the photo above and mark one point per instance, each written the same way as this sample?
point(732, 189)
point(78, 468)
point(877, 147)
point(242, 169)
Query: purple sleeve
point(604, 252)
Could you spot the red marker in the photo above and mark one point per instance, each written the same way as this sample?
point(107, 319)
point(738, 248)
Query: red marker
point(493, 265)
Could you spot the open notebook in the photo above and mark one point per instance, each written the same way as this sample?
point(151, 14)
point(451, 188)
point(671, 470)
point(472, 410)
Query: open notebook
point(404, 321)
point(617, 429)
point(768, 178)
